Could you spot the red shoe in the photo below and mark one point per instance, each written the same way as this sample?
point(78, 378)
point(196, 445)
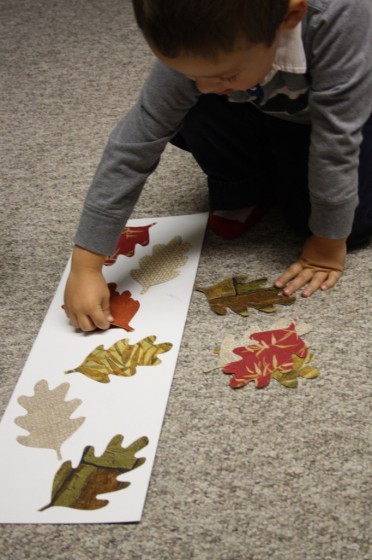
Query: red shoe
point(237, 222)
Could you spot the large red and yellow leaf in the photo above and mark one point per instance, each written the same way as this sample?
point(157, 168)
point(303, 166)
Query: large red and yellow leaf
point(274, 351)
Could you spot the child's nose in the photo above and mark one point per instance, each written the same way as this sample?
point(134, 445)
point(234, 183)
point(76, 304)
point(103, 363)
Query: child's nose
point(207, 85)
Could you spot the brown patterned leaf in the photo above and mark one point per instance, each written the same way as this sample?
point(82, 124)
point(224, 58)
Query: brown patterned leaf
point(238, 295)
point(78, 488)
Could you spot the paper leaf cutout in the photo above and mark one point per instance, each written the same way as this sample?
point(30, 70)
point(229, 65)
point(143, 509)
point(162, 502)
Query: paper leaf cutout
point(129, 238)
point(238, 295)
point(163, 264)
point(274, 352)
point(48, 417)
point(121, 359)
point(123, 307)
point(78, 488)
point(230, 342)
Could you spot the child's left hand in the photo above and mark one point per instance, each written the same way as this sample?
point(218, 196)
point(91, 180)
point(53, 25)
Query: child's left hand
point(319, 267)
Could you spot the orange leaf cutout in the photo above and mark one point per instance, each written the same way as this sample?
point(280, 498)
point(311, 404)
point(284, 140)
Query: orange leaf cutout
point(123, 307)
point(275, 351)
point(128, 239)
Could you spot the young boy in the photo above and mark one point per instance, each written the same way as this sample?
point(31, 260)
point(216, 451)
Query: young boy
point(274, 100)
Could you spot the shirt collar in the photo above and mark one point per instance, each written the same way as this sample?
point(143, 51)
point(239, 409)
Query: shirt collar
point(290, 55)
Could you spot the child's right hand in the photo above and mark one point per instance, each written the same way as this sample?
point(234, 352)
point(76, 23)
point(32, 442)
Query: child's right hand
point(87, 297)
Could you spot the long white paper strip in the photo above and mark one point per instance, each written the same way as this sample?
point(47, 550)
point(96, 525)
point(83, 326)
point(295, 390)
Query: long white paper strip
point(130, 406)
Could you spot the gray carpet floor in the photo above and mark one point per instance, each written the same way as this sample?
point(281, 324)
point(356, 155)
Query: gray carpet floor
point(239, 475)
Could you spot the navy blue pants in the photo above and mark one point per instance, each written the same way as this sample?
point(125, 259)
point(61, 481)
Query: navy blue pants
point(250, 157)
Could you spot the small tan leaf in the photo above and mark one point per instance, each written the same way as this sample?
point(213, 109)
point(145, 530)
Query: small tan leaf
point(48, 417)
point(163, 264)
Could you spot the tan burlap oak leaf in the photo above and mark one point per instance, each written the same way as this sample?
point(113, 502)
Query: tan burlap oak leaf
point(48, 417)
point(163, 265)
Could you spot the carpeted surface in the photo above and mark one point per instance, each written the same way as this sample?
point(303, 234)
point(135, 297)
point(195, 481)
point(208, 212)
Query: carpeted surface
point(239, 475)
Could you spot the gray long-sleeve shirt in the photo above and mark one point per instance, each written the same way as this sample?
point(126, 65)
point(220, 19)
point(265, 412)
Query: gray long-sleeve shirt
point(334, 97)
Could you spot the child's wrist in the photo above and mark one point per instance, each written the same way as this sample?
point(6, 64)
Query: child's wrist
point(85, 259)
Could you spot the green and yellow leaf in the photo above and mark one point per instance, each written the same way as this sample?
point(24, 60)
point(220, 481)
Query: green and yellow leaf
point(301, 368)
point(121, 359)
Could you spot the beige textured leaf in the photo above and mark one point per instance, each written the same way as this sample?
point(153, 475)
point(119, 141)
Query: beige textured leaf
point(163, 264)
point(226, 350)
point(48, 417)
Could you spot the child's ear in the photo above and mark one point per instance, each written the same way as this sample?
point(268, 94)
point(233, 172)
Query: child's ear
point(296, 12)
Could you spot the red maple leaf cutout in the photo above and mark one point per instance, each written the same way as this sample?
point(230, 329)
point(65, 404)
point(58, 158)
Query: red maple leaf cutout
point(128, 240)
point(123, 307)
point(273, 352)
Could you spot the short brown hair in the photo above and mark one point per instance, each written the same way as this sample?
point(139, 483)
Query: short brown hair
point(204, 27)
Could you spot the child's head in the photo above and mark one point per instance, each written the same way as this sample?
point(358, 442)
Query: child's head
point(215, 41)
point(203, 27)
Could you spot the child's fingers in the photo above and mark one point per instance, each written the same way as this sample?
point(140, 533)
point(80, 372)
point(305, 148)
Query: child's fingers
point(332, 279)
point(72, 318)
point(321, 280)
point(288, 275)
point(91, 320)
point(297, 276)
point(303, 278)
point(86, 324)
point(96, 319)
point(106, 311)
point(317, 280)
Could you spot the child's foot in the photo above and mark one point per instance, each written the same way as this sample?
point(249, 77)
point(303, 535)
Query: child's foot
point(230, 224)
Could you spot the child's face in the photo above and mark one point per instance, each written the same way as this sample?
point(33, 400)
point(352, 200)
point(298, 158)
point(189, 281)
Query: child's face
point(239, 70)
